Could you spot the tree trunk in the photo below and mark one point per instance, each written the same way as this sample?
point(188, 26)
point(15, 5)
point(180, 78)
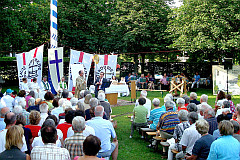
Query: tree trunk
point(143, 61)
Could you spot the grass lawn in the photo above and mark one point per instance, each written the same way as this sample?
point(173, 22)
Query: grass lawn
point(135, 148)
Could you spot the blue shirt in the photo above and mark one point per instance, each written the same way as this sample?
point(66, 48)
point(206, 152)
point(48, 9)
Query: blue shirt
point(2, 124)
point(225, 148)
point(104, 131)
point(216, 134)
point(57, 111)
point(155, 115)
point(196, 77)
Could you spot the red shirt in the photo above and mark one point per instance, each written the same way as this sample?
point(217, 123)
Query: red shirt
point(64, 128)
point(34, 129)
point(182, 108)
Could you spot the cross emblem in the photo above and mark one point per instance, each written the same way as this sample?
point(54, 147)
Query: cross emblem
point(57, 61)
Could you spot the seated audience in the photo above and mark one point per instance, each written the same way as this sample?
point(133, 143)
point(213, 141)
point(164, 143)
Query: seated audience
point(80, 106)
point(192, 107)
point(104, 131)
point(86, 101)
point(189, 137)
point(74, 102)
point(219, 100)
point(225, 108)
point(49, 99)
point(181, 104)
point(202, 146)
point(91, 147)
point(38, 140)
point(64, 126)
point(151, 82)
point(67, 106)
point(187, 100)
point(155, 113)
point(193, 98)
point(203, 100)
point(90, 112)
point(10, 120)
point(236, 127)
point(237, 113)
point(7, 100)
point(225, 147)
point(178, 132)
point(139, 116)
point(74, 144)
point(14, 144)
point(35, 118)
point(148, 104)
point(209, 116)
point(232, 106)
point(44, 112)
point(216, 133)
point(49, 151)
point(20, 97)
point(58, 109)
point(106, 105)
point(142, 82)
point(164, 82)
point(30, 95)
point(32, 105)
point(21, 121)
point(168, 121)
point(4, 111)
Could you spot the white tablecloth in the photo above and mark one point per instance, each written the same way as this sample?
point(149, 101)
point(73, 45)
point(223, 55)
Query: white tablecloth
point(114, 89)
point(117, 89)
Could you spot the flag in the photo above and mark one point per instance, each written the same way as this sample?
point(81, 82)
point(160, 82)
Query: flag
point(55, 63)
point(79, 57)
point(53, 24)
point(30, 64)
point(107, 64)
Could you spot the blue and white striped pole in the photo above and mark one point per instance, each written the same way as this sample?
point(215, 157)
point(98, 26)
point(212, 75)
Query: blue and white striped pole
point(53, 35)
point(53, 24)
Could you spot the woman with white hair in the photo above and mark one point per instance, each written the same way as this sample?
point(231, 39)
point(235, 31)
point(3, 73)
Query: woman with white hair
point(86, 101)
point(169, 97)
point(202, 146)
point(155, 113)
point(181, 104)
point(193, 98)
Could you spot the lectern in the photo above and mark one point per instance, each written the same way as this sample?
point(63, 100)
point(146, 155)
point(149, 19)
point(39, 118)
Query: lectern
point(133, 90)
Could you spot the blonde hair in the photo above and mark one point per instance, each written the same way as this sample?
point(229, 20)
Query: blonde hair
point(14, 137)
point(34, 117)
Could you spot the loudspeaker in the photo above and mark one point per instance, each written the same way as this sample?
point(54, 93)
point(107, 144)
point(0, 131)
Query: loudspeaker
point(228, 63)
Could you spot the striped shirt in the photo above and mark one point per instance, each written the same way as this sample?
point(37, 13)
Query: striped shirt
point(49, 152)
point(168, 121)
point(74, 144)
point(213, 124)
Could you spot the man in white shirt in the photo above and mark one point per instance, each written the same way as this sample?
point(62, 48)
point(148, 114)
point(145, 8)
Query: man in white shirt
point(189, 137)
point(44, 113)
point(33, 86)
point(49, 151)
point(148, 103)
point(44, 87)
point(7, 100)
point(10, 120)
point(24, 85)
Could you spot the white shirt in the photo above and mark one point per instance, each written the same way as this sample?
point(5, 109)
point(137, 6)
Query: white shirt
point(147, 105)
point(34, 86)
point(43, 118)
point(7, 101)
point(24, 86)
point(37, 141)
point(86, 132)
point(3, 141)
point(219, 111)
point(57, 111)
point(189, 137)
point(59, 133)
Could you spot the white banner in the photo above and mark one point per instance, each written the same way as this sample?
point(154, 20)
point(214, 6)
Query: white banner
point(53, 24)
point(78, 57)
point(55, 63)
point(75, 68)
point(30, 64)
point(107, 64)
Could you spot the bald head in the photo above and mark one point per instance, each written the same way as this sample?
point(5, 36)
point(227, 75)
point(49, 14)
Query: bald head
point(38, 101)
point(99, 111)
point(10, 119)
point(4, 111)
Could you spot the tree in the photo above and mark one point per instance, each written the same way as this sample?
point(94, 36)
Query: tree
point(139, 26)
point(206, 29)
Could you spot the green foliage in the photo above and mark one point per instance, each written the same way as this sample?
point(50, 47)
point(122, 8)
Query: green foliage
point(206, 28)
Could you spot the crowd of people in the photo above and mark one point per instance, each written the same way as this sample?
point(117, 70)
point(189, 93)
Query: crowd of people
point(192, 128)
point(56, 128)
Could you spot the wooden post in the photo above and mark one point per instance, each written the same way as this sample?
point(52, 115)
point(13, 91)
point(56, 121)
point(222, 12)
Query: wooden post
point(133, 90)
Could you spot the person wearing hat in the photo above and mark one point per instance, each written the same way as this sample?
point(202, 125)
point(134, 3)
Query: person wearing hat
point(7, 100)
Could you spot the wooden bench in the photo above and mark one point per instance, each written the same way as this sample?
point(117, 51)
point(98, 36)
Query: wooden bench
point(144, 132)
point(151, 133)
point(113, 116)
point(158, 139)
